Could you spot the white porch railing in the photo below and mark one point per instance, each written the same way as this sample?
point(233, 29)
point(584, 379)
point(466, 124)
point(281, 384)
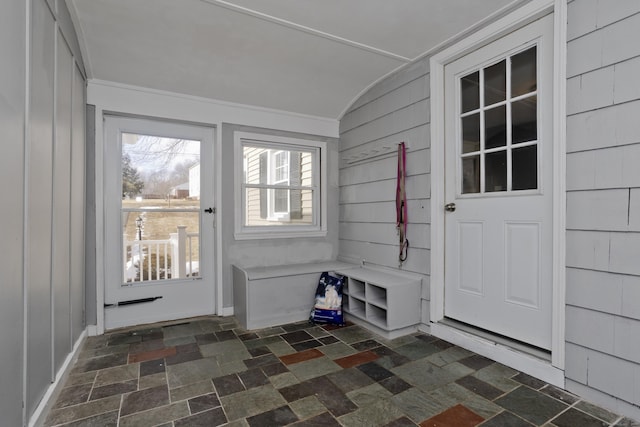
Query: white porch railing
point(173, 258)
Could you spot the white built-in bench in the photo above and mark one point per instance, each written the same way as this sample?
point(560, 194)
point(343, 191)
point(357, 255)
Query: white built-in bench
point(275, 295)
point(388, 302)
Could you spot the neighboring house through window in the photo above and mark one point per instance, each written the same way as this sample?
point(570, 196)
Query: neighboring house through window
point(278, 186)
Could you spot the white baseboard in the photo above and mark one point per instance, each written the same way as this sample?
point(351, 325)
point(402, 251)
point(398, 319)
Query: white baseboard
point(92, 330)
point(226, 311)
point(42, 410)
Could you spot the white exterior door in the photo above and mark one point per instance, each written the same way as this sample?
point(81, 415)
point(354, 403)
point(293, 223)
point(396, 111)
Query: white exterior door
point(159, 221)
point(498, 186)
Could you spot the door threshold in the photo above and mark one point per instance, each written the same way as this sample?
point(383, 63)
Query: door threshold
point(520, 357)
point(519, 346)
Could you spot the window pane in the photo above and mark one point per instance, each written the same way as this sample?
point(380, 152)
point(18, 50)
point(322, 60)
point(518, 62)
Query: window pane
point(152, 242)
point(471, 175)
point(471, 133)
point(495, 83)
point(495, 127)
point(525, 168)
point(495, 171)
point(524, 120)
point(523, 72)
point(470, 92)
point(277, 206)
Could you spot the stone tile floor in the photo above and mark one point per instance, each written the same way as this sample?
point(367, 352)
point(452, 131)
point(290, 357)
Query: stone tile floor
point(209, 371)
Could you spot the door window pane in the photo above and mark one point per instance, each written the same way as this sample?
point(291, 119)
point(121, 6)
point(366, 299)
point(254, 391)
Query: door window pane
point(524, 120)
point(160, 208)
point(495, 127)
point(495, 83)
point(471, 174)
point(496, 171)
point(525, 168)
point(471, 133)
point(470, 92)
point(523, 72)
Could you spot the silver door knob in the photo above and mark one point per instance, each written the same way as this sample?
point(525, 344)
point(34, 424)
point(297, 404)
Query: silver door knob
point(450, 207)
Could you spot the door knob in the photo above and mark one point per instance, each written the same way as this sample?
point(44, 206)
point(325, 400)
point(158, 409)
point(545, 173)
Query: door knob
point(210, 210)
point(450, 207)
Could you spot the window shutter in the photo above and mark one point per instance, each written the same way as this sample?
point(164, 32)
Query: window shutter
point(264, 164)
point(295, 179)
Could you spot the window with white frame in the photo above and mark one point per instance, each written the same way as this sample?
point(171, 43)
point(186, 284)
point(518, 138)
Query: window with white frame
point(279, 188)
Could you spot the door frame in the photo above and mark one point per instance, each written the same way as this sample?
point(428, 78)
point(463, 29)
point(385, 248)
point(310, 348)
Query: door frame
point(101, 208)
point(552, 372)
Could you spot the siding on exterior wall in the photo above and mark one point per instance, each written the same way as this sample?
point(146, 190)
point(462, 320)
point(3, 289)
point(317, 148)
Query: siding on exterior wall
point(393, 111)
point(603, 203)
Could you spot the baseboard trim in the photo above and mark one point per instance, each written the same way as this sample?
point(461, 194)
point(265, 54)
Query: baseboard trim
point(226, 311)
point(42, 410)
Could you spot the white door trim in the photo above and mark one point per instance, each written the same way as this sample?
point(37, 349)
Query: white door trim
point(522, 16)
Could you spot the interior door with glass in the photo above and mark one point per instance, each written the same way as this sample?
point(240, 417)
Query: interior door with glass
point(159, 221)
point(498, 186)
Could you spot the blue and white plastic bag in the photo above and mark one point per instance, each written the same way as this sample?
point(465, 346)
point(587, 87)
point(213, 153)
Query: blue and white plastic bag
point(328, 303)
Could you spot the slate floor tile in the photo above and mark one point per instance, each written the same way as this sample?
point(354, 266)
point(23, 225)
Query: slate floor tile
point(574, 417)
point(212, 417)
point(356, 359)
point(152, 355)
point(192, 390)
point(85, 410)
point(530, 381)
point(307, 407)
point(276, 417)
point(476, 362)
point(374, 415)
point(457, 416)
point(253, 378)
point(401, 422)
point(296, 337)
point(203, 403)
point(144, 399)
point(596, 411)
point(375, 371)
point(108, 419)
point(267, 359)
point(114, 389)
point(301, 374)
point(305, 345)
point(322, 420)
point(395, 384)
point(151, 367)
point(555, 392)
point(73, 395)
point(274, 369)
point(156, 416)
point(228, 384)
point(479, 387)
point(531, 405)
point(350, 379)
point(506, 419)
point(251, 402)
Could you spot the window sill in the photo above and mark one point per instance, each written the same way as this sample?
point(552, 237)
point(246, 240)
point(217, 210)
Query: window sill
point(275, 234)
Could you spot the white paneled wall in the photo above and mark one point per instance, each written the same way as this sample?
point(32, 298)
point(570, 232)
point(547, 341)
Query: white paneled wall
point(42, 103)
point(393, 111)
point(603, 203)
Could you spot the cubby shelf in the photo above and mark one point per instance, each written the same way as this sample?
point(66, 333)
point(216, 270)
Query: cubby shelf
point(389, 302)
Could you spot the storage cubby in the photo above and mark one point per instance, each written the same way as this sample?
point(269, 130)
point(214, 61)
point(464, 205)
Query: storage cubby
point(387, 302)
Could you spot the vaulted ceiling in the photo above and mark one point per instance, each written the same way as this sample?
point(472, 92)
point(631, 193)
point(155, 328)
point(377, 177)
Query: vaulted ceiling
point(305, 56)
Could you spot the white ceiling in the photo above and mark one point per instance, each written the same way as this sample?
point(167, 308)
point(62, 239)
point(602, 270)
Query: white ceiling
point(306, 56)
